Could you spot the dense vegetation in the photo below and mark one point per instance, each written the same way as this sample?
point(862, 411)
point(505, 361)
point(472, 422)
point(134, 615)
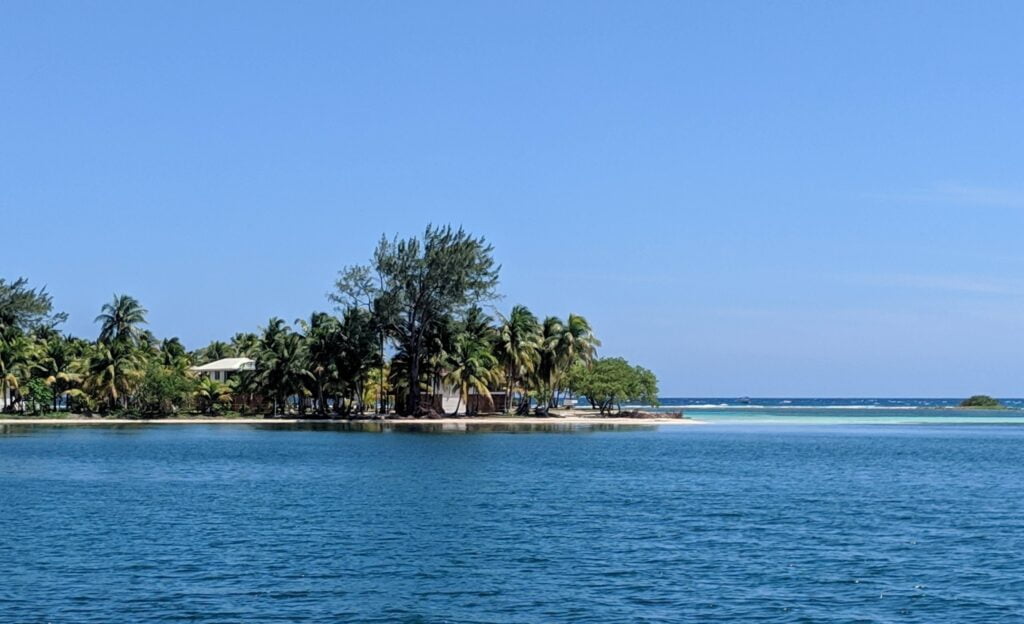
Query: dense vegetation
point(981, 400)
point(607, 382)
point(405, 325)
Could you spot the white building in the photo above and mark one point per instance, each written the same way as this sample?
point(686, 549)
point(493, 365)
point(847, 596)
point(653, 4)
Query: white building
point(221, 369)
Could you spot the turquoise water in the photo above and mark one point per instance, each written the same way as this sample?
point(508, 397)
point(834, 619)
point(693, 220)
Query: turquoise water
point(826, 403)
point(831, 411)
point(729, 522)
point(849, 416)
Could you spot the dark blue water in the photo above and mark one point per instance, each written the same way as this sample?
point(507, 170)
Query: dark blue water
point(715, 523)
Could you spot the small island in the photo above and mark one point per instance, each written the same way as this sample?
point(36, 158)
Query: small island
point(409, 337)
point(981, 401)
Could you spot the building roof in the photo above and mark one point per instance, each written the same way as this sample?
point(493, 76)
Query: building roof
point(227, 364)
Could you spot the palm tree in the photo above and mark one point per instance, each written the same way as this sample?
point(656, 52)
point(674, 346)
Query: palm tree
point(120, 320)
point(322, 334)
point(478, 324)
point(282, 363)
point(384, 316)
point(576, 344)
point(275, 328)
point(211, 393)
point(245, 384)
point(112, 372)
point(214, 351)
point(580, 342)
point(439, 343)
point(472, 365)
point(173, 354)
point(357, 354)
point(17, 359)
point(518, 349)
point(147, 341)
point(398, 379)
point(58, 365)
point(563, 345)
point(377, 387)
point(245, 344)
point(546, 373)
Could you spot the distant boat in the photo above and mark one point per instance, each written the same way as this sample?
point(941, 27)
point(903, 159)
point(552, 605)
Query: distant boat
point(744, 400)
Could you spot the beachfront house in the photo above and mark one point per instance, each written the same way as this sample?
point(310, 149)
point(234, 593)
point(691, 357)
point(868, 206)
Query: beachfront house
point(220, 370)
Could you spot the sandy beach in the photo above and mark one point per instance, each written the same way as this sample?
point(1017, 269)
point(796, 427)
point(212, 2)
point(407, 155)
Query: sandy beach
point(474, 420)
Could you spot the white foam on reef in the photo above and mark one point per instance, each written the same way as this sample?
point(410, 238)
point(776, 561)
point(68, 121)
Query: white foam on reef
point(865, 407)
point(743, 406)
point(907, 405)
point(686, 406)
point(713, 406)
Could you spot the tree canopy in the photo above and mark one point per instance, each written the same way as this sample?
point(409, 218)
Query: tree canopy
point(426, 281)
point(25, 309)
point(409, 325)
point(610, 381)
point(981, 400)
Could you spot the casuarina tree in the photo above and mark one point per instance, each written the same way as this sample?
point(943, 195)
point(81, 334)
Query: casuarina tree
point(429, 280)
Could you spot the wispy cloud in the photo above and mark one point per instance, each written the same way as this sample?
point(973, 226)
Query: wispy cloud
point(961, 195)
point(965, 284)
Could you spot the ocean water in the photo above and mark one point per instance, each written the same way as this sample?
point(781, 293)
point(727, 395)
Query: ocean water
point(824, 403)
point(821, 411)
point(726, 522)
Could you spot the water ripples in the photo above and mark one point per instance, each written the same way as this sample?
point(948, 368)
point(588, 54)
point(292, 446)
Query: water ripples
point(711, 524)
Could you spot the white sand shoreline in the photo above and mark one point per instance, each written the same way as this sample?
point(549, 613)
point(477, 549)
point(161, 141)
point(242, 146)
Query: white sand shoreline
point(474, 420)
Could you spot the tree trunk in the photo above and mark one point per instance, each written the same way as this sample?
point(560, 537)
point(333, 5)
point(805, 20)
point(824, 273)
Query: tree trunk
point(380, 382)
point(412, 401)
point(508, 392)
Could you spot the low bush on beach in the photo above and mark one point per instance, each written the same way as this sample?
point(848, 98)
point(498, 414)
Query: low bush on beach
point(607, 382)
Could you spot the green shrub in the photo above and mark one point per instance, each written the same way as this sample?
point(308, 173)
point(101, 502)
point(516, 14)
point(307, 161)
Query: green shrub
point(38, 397)
point(981, 400)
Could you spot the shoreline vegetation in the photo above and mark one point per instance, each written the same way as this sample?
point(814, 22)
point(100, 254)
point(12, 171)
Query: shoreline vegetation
point(981, 401)
point(581, 417)
point(408, 336)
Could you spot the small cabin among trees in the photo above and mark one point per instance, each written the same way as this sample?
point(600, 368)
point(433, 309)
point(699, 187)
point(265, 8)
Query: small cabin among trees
point(220, 370)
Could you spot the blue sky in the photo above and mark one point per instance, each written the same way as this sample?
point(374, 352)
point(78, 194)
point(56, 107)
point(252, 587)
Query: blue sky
point(764, 199)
